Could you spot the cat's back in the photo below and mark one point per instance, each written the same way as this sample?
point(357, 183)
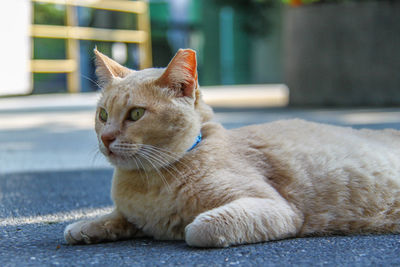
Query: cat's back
point(342, 179)
point(297, 131)
point(299, 135)
point(320, 147)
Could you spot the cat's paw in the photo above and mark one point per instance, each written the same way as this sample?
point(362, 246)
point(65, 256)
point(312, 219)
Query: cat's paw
point(204, 233)
point(84, 232)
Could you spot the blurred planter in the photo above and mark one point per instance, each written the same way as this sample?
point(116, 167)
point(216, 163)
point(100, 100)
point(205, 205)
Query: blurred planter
point(342, 54)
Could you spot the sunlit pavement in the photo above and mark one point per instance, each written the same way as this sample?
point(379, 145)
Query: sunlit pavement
point(51, 175)
point(55, 132)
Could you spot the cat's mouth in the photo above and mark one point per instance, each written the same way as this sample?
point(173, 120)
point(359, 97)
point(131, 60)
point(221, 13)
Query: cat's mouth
point(130, 159)
point(109, 153)
point(139, 156)
point(122, 151)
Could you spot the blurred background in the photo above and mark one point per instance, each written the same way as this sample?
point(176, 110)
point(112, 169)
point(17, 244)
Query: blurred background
point(238, 42)
point(332, 61)
point(327, 52)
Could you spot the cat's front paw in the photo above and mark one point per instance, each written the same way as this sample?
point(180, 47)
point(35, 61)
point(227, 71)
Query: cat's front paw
point(204, 233)
point(84, 232)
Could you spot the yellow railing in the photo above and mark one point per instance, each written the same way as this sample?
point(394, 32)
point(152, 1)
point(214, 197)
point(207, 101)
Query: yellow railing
point(73, 33)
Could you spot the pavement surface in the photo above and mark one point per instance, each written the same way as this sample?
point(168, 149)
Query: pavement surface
point(51, 175)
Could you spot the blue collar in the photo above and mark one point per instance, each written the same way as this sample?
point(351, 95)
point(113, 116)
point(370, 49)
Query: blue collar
point(198, 140)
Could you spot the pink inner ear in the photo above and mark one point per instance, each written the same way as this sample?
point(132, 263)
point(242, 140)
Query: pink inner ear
point(191, 68)
point(190, 62)
point(181, 73)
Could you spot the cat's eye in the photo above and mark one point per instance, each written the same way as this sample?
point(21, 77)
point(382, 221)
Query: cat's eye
point(136, 113)
point(103, 115)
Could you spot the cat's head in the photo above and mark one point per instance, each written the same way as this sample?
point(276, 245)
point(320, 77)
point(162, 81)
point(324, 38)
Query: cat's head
point(148, 119)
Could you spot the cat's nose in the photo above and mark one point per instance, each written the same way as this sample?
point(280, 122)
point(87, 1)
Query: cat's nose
point(107, 139)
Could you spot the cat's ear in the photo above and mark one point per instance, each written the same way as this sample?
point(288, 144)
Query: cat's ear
point(108, 69)
point(181, 74)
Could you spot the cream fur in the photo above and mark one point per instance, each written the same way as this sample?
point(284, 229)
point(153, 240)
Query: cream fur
point(252, 184)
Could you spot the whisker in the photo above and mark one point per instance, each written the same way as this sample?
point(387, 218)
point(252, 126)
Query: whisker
point(139, 170)
point(184, 176)
point(144, 170)
point(126, 153)
point(174, 156)
point(136, 163)
point(163, 164)
point(150, 157)
point(159, 159)
point(95, 156)
point(91, 80)
point(159, 173)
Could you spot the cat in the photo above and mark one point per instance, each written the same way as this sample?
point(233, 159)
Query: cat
point(180, 176)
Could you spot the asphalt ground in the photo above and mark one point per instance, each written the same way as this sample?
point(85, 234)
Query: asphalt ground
point(50, 176)
point(35, 208)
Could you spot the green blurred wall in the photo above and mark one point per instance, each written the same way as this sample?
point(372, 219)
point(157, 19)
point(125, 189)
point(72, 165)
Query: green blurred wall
point(228, 53)
point(238, 42)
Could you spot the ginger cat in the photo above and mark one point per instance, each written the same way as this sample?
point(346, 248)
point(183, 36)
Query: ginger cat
point(223, 187)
